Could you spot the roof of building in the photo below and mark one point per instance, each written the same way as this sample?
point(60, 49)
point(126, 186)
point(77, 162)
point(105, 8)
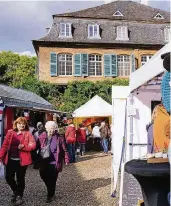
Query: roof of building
point(20, 98)
point(143, 28)
point(131, 11)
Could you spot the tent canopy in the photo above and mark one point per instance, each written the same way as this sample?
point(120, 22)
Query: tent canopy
point(151, 69)
point(95, 107)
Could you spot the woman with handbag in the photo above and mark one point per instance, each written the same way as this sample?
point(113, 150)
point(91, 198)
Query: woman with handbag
point(52, 152)
point(15, 153)
point(70, 137)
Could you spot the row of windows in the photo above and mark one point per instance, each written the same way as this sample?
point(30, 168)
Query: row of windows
point(94, 32)
point(65, 65)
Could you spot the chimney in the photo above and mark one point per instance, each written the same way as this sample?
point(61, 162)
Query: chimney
point(47, 30)
point(145, 2)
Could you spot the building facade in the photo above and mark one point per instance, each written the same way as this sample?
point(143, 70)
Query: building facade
point(103, 42)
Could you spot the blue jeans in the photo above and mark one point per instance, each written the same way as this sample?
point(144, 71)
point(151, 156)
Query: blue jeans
point(81, 146)
point(71, 151)
point(105, 145)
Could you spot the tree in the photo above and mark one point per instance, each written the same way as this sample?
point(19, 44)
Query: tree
point(14, 68)
point(79, 92)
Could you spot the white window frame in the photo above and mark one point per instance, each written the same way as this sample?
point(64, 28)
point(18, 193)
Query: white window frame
point(119, 13)
point(95, 63)
point(65, 61)
point(167, 34)
point(127, 63)
point(65, 33)
point(148, 56)
point(122, 33)
point(94, 36)
point(158, 16)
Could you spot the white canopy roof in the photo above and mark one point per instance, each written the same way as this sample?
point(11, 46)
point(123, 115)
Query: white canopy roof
point(95, 107)
point(150, 70)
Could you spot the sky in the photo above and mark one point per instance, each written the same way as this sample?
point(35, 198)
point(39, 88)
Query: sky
point(23, 21)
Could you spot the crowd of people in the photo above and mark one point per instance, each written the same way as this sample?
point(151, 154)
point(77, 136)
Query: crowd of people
point(46, 149)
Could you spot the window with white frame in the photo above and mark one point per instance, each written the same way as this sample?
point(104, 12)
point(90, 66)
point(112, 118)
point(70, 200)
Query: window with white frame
point(65, 30)
point(95, 65)
point(167, 34)
point(64, 64)
point(145, 58)
point(93, 31)
point(122, 33)
point(124, 66)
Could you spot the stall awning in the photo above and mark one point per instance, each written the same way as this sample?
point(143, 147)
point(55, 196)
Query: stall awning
point(148, 71)
point(20, 98)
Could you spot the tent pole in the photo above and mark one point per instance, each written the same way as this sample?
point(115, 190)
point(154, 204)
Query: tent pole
point(131, 131)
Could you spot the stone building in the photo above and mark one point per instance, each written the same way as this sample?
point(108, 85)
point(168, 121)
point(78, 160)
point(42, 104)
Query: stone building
point(103, 42)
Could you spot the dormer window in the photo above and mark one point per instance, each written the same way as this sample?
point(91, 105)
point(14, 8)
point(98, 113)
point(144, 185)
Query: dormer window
point(93, 31)
point(65, 30)
point(122, 33)
point(117, 13)
point(167, 34)
point(158, 16)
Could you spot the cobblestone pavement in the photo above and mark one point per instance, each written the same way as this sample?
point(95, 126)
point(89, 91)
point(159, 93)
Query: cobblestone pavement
point(85, 183)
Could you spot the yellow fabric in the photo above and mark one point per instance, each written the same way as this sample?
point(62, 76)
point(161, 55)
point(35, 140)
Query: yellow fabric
point(161, 118)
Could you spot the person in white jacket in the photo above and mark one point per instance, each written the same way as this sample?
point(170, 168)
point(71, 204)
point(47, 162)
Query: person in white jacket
point(97, 137)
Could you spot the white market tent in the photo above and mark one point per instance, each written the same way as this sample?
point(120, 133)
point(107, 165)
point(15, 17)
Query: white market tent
point(143, 89)
point(95, 107)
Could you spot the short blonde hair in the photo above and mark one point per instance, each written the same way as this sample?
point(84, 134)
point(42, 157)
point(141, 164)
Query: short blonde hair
point(51, 124)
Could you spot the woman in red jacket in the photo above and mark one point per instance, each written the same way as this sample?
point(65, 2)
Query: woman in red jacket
point(81, 138)
point(15, 154)
point(70, 137)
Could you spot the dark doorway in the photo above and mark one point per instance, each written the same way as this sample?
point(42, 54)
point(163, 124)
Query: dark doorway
point(153, 104)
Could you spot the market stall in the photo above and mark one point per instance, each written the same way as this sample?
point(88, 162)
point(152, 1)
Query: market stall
point(17, 102)
point(93, 111)
point(137, 102)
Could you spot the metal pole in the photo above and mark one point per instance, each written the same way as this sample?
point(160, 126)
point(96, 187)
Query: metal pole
point(131, 131)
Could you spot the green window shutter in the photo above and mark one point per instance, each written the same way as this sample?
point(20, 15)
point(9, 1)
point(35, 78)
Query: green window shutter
point(84, 64)
point(132, 63)
point(77, 65)
point(114, 66)
point(53, 64)
point(107, 65)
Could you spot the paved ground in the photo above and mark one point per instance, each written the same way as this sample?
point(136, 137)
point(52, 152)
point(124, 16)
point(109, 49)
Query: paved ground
point(85, 183)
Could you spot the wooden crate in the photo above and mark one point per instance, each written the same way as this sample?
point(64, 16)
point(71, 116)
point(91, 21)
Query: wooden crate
point(157, 160)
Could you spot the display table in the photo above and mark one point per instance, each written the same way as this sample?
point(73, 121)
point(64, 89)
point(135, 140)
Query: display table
point(154, 180)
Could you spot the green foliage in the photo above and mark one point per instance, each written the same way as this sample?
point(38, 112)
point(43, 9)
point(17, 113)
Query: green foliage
point(79, 92)
point(19, 71)
point(14, 68)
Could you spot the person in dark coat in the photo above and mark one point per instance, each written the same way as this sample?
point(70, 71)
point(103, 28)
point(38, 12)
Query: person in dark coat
point(50, 168)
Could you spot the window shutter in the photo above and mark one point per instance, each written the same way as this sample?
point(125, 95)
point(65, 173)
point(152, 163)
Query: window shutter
point(132, 62)
point(107, 65)
point(77, 65)
point(114, 66)
point(53, 64)
point(110, 65)
point(84, 64)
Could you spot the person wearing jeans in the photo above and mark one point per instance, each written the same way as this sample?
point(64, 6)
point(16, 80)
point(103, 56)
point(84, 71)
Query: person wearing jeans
point(70, 137)
point(104, 132)
point(105, 145)
point(81, 138)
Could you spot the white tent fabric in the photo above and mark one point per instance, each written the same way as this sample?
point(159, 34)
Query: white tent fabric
point(95, 107)
point(150, 70)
